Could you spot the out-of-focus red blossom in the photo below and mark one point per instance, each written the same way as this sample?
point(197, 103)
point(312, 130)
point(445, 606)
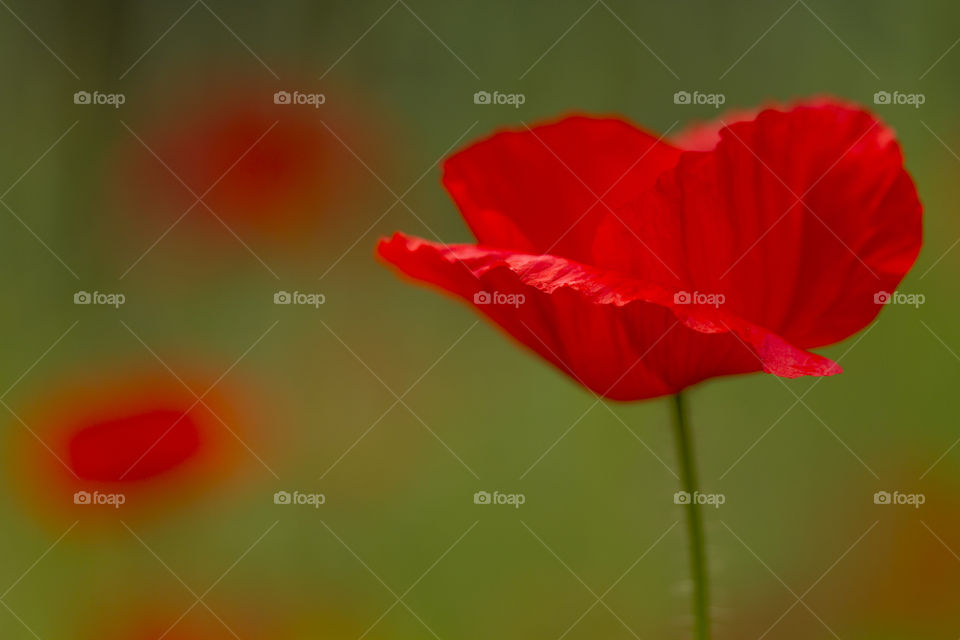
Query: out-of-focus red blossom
point(797, 217)
point(145, 437)
point(915, 588)
point(264, 169)
point(153, 631)
point(910, 593)
point(192, 627)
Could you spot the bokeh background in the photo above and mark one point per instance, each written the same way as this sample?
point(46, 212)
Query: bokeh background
point(198, 199)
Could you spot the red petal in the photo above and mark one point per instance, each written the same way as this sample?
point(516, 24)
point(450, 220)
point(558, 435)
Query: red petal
point(704, 136)
point(621, 337)
point(545, 189)
point(799, 218)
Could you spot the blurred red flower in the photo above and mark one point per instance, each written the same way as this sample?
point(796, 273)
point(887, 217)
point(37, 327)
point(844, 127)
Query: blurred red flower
point(134, 447)
point(261, 166)
point(640, 268)
point(154, 626)
point(278, 161)
point(114, 448)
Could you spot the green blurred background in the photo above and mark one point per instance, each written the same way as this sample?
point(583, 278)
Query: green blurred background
point(799, 550)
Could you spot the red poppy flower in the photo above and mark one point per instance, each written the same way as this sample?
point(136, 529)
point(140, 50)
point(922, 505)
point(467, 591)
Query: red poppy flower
point(640, 268)
point(110, 449)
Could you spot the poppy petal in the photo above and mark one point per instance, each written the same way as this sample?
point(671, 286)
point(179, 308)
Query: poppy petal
point(545, 189)
point(704, 136)
point(799, 218)
point(619, 336)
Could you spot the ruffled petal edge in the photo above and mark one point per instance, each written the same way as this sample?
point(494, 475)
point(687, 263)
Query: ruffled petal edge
point(548, 273)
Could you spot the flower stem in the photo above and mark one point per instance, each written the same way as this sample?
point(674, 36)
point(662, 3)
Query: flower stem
point(698, 559)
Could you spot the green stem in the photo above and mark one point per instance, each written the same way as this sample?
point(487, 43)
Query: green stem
point(698, 558)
